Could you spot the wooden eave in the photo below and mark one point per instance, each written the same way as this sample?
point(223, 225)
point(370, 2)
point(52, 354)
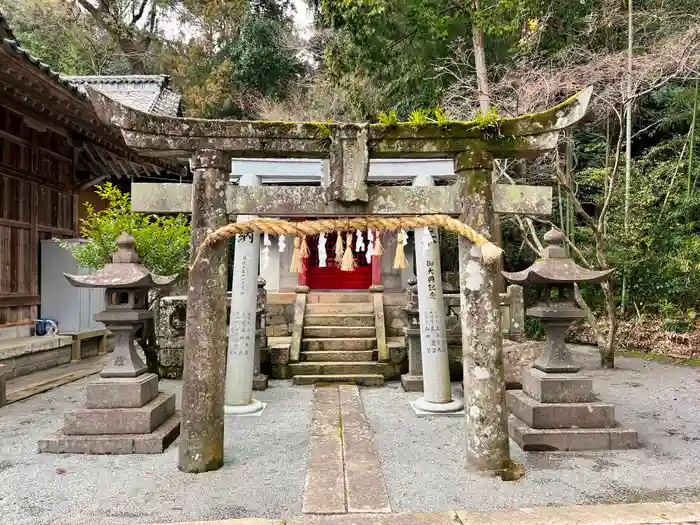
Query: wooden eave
point(30, 88)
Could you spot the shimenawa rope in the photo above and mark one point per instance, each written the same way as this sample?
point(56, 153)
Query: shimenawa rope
point(489, 251)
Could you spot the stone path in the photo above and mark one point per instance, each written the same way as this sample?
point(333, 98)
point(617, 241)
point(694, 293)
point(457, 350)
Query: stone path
point(343, 473)
point(635, 514)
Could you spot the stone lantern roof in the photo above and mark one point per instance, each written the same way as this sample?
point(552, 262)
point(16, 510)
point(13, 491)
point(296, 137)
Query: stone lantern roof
point(555, 267)
point(123, 272)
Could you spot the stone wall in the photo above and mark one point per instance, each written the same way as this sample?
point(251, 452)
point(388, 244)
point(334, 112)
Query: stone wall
point(35, 354)
point(279, 319)
point(394, 313)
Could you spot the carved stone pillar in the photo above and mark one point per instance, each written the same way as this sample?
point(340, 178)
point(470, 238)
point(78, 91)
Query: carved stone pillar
point(240, 361)
point(482, 343)
point(437, 397)
point(202, 433)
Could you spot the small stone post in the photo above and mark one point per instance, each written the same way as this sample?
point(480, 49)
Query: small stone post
point(240, 361)
point(202, 433)
point(437, 396)
point(413, 381)
point(260, 379)
point(482, 344)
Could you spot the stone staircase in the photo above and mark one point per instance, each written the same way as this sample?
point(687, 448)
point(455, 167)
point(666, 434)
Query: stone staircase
point(339, 343)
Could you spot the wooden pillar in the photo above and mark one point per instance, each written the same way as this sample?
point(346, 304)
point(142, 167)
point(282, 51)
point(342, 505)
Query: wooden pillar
point(202, 428)
point(482, 344)
point(376, 264)
point(303, 275)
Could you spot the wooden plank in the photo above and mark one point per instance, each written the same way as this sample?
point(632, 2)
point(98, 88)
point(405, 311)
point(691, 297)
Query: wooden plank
point(305, 201)
point(26, 386)
point(19, 300)
point(15, 224)
point(324, 489)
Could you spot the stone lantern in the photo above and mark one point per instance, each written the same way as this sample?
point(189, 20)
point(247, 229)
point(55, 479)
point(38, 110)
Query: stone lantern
point(556, 408)
point(125, 413)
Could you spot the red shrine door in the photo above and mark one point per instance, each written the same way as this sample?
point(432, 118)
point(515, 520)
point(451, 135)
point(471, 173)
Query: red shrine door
point(332, 277)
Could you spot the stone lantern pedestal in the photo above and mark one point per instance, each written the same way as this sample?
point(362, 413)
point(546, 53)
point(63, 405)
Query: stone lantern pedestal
point(124, 412)
point(556, 408)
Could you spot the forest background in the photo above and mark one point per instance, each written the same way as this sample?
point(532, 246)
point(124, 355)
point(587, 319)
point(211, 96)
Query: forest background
point(625, 181)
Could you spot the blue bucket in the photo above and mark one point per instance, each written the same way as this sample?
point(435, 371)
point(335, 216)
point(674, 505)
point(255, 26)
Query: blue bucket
point(43, 325)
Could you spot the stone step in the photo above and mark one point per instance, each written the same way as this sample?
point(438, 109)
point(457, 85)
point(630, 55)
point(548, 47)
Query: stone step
point(339, 320)
point(570, 439)
point(142, 420)
point(339, 308)
point(152, 443)
point(335, 332)
point(559, 415)
point(308, 368)
point(347, 343)
point(339, 297)
point(360, 379)
point(339, 355)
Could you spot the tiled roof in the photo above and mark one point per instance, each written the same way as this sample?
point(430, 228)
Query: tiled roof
point(149, 93)
point(10, 42)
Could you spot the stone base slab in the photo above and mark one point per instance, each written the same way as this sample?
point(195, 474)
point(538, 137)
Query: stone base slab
point(412, 383)
point(143, 420)
point(155, 442)
point(121, 392)
point(421, 412)
point(570, 439)
point(260, 382)
point(557, 388)
point(559, 415)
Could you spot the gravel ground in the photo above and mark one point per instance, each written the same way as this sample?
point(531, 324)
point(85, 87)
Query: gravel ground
point(423, 458)
point(265, 465)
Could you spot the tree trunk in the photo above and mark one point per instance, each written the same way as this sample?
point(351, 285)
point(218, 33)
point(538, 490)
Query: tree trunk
point(482, 82)
point(607, 352)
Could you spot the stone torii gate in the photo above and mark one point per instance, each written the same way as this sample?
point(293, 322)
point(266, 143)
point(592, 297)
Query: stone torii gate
point(343, 192)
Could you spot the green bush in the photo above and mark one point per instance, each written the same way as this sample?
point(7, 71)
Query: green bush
point(162, 243)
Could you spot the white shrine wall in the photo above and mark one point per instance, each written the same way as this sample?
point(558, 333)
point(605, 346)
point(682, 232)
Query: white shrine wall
point(309, 171)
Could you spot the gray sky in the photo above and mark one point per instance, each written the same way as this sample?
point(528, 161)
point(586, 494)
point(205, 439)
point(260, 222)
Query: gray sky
point(303, 18)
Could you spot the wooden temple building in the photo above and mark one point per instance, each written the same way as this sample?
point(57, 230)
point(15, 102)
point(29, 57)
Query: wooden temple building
point(53, 149)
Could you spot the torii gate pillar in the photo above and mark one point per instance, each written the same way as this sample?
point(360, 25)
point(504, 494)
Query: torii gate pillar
point(202, 430)
point(487, 444)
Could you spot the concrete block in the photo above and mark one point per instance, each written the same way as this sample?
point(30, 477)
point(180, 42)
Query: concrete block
point(557, 388)
point(279, 355)
point(559, 415)
point(143, 420)
point(260, 382)
point(280, 372)
point(570, 439)
point(412, 383)
point(122, 392)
